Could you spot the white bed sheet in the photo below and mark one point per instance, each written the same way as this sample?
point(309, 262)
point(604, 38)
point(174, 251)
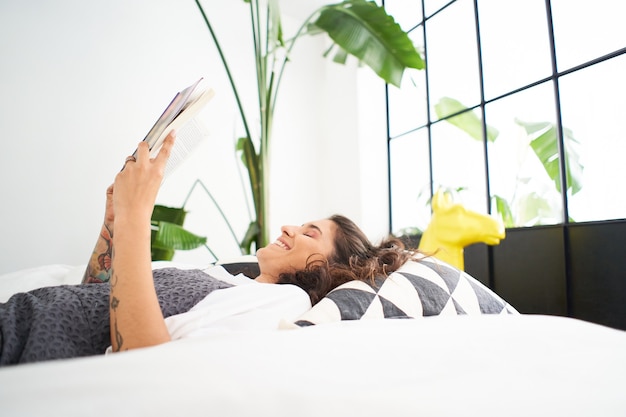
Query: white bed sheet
point(32, 278)
point(442, 366)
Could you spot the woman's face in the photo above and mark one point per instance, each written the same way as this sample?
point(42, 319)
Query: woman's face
point(296, 246)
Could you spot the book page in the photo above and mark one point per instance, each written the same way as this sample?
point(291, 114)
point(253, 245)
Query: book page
point(187, 140)
point(188, 112)
point(179, 115)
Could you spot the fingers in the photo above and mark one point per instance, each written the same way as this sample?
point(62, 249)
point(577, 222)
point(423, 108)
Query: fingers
point(137, 185)
point(166, 149)
point(142, 154)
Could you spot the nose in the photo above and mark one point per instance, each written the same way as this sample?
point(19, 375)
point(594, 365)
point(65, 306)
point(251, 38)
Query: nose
point(289, 230)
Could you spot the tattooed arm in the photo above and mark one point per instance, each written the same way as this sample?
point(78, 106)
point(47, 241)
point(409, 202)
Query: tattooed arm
point(136, 318)
point(99, 266)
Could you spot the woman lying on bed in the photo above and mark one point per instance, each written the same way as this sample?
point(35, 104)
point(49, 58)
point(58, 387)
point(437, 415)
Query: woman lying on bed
point(139, 307)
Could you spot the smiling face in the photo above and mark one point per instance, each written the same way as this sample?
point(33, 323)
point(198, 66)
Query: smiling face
point(296, 246)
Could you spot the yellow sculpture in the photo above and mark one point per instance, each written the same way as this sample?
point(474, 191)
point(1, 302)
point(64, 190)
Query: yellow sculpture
point(453, 227)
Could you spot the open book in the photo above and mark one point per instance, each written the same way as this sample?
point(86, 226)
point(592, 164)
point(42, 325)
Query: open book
point(180, 115)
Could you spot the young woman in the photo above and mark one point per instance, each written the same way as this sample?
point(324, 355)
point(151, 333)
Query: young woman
point(139, 307)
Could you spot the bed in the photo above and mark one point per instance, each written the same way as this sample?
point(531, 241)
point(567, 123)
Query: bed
point(442, 365)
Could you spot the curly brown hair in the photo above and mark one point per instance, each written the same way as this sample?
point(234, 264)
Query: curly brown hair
point(354, 258)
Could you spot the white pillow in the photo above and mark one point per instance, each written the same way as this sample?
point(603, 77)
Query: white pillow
point(42, 276)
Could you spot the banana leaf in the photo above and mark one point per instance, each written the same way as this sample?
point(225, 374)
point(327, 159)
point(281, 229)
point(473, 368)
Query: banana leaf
point(275, 25)
point(250, 237)
point(544, 143)
point(466, 120)
point(250, 160)
point(168, 235)
point(543, 136)
point(174, 215)
point(173, 236)
point(363, 29)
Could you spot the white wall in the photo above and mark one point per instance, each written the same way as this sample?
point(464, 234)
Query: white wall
point(81, 82)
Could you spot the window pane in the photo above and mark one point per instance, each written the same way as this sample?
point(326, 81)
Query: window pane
point(459, 163)
point(452, 57)
point(407, 105)
point(584, 30)
point(594, 110)
point(432, 6)
point(407, 14)
point(513, 56)
point(410, 181)
point(516, 173)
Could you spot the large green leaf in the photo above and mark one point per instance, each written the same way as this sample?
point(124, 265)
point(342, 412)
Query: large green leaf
point(544, 142)
point(275, 25)
point(162, 254)
point(366, 31)
point(465, 120)
point(173, 236)
point(167, 234)
point(250, 237)
point(174, 215)
point(250, 160)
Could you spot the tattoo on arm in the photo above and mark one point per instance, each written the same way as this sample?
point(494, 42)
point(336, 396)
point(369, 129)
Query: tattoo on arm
point(117, 338)
point(99, 266)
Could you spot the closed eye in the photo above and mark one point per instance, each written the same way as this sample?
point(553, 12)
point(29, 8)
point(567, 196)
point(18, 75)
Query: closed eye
point(312, 231)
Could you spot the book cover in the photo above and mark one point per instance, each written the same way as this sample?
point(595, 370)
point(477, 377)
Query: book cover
point(180, 115)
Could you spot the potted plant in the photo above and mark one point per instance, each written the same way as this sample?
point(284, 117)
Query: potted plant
point(358, 28)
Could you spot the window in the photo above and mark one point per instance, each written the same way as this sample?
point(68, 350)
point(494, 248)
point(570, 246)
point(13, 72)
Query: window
point(519, 110)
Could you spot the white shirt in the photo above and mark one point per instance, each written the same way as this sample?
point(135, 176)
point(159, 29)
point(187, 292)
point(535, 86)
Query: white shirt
point(247, 305)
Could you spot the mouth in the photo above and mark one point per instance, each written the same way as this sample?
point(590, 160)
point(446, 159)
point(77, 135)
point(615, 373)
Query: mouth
point(281, 244)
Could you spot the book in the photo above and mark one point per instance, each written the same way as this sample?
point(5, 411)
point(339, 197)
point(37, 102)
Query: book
point(180, 115)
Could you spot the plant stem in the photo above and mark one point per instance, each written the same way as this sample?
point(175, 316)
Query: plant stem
point(288, 52)
point(211, 252)
point(219, 209)
point(226, 67)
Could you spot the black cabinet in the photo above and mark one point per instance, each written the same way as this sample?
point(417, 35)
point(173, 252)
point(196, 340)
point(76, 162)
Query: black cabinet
point(576, 270)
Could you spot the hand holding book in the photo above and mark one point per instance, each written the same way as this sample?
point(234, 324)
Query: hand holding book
point(180, 115)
